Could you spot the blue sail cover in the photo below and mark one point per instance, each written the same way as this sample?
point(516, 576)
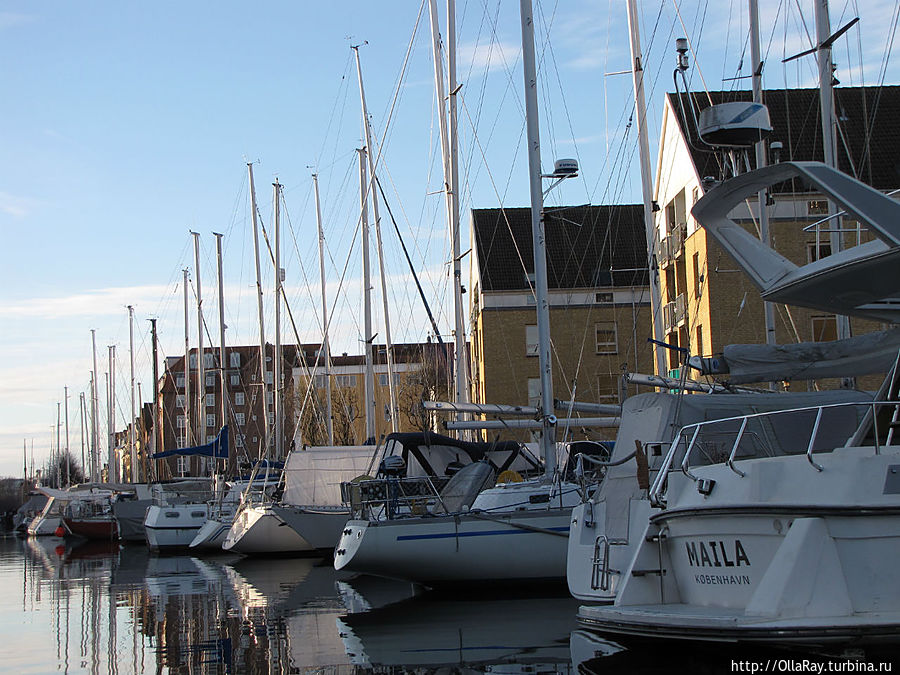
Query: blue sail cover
point(217, 448)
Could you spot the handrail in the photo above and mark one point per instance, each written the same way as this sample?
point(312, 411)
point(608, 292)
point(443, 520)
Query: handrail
point(687, 452)
point(737, 442)
point(812, 440)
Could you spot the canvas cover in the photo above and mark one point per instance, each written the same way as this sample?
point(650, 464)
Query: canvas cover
point(313, 474)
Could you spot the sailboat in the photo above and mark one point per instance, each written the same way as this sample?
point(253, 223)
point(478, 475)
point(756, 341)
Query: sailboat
point(485, 525)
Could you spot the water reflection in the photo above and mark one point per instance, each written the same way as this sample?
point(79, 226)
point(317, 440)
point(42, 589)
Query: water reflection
point(106, 608)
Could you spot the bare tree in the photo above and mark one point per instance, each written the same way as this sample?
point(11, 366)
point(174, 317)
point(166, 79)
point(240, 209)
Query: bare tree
point(431, 382)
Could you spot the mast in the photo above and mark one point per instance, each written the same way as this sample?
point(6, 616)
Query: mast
point(82, 416)
point(367, 130)
point(68, 454)
point(264, 448)
point(761, 160)
point(131, 447)
point(367, 300)
point(325, 346)
point(113, 470)
point(221, 330)
point(55, 462)
point(95, 423)
point(448, 131)
point(829, 132)
point(548, 419)
point(276, 384)
point(188, 403)
point(154, 445)
point(640, 113)
point(201, 374)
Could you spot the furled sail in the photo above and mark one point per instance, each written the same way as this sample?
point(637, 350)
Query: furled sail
point(217, 448)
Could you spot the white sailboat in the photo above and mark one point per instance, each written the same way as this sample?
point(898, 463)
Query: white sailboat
point(512, 530)
point(781, 526)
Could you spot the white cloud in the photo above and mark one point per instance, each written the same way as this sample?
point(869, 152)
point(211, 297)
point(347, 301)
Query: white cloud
point(18, 207)
point(487, 57)
point(13, 19)
point(100, 302)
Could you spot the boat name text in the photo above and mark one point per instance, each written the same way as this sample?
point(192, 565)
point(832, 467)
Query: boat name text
point(716, 553)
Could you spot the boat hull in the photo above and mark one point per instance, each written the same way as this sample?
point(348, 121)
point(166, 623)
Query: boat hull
point(782, 553)
point(93, 528)
point(259, 531)
point(130, 516)
point(506, 547)
point(174, 527)
point(320, 527)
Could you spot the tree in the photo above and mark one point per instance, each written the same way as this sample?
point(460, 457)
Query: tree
point(64, 471)
point(345, 412)
point(431, 382)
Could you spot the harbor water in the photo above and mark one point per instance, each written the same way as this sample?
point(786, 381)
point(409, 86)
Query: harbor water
point(102, 607)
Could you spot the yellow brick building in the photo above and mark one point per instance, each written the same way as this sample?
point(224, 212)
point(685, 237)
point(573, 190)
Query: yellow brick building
point(707, 300)
point(599, 304)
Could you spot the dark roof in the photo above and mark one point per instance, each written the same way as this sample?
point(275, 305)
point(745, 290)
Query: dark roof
point(587, 247)
point(867, 128)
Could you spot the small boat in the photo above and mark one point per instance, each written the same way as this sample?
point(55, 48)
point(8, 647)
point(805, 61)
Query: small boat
point(179, 510)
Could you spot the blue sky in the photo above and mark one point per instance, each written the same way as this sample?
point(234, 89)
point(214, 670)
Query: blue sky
point(123, 126)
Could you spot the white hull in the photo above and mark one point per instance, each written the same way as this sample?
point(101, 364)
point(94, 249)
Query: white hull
point(175, 526)
point(43, 526)
point(258, 530)
point(212, 534)
point(527, 545)
point(321, 527)
point(784, 553)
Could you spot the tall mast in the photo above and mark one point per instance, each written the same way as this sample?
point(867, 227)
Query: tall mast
point(55, 462)
point(448, 131)
point(113, 470)
point(131, 427)
point(640, 114)
point(276, 384)
point(761, 161)
point(829, 131)
point(221, 330)
point(95, 423)
point(154, 445)
point(326, 349)
point(548, 419)
point(201, 374)
point(82, 415)
point(367, 130)
point(68, 454)
point(367, 299)
point(188, 403)
point(264, 448)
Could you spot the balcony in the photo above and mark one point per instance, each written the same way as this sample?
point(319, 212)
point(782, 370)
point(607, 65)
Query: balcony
point(672, 245)
point(674, 313)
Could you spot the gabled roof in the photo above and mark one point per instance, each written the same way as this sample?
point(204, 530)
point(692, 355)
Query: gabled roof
point(868, 134)
point(587, 247)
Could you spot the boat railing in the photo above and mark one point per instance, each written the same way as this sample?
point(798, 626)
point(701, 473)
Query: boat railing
point(390, 498)
point(799, 431)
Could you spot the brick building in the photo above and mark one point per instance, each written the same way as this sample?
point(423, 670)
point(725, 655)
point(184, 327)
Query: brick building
point(708, 301)
point(599, 303)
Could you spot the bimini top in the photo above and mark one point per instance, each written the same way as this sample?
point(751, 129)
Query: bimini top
point(859, 281)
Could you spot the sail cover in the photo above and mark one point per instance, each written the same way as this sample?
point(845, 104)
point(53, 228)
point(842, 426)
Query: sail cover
point(313, 475)
point(217, 448)
point(861, 355)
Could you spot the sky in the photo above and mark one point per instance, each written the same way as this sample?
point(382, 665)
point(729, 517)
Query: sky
point(126, 126)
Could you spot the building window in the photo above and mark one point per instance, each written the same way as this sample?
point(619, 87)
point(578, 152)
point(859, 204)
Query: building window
point(234, 359)
point(608, 388)
point(179, 400)
point(239, 418)
point(208, 360)
point(817, 207)
point(210, 421)
point(179, 421)
point(387, 412)
point(824, 328)
point(534, 391)
point(239, 398)
point(179, 382)
point(346, 380)
point(603, 298)
point(269, 377)
point(607, 342)
point(320, 381)
point(698, 277)
point(210, 438)
point(271, 419)
point(193, 361)
point(824, 250)
point(210, 400)
point(239, 440)
point(699, 351)
point(270, 397)
point(210, 380)
point(235, 380)
point(181, 465)
point(531, 340)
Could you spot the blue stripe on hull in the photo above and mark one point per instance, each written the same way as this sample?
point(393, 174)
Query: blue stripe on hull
point(485, 533)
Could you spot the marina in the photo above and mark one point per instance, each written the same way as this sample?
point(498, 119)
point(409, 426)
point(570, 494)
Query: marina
point(109, 608)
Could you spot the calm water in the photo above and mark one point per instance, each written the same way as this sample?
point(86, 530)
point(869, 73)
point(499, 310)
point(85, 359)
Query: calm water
point(108, 609)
